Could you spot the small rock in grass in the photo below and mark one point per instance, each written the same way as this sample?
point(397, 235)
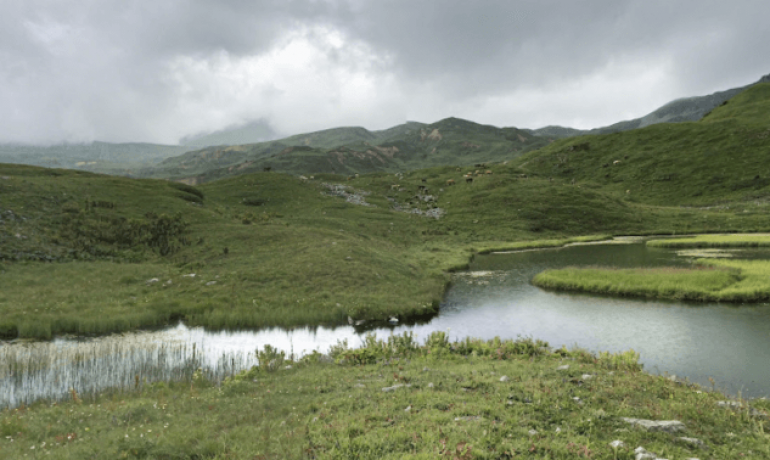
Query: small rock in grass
point(586, 376)
point(425, 369)
point(430, 385)
point(211, 283)
point(359, 385)
point(191, 275)
point(563, 368)
point(642, 454)
point(287, 367)
point(152, 281)
point(617, 444)
point(669, 426)
point(533, 432)
point(504, 378)
point(394, 387)
point(468, 418)
point(693, 441)
point(408, 409)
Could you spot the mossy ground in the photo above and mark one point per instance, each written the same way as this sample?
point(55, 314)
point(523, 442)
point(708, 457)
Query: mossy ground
point(453, 405)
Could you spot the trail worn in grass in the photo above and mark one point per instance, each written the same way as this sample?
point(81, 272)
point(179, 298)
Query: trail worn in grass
point(472, 399)
point(710, 281)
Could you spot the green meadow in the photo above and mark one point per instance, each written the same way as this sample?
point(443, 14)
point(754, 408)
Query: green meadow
point(90, 254)
point(397, 399)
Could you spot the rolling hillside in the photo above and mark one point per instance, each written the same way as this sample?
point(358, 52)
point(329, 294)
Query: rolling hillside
point(348, 151)
point(723, 157)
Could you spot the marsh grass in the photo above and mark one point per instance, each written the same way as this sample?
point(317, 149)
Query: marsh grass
point(714, 241)
point(709, 280)
point(453, 405)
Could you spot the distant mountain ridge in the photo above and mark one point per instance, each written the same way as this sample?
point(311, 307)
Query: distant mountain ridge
point(103, 157)
point(677, 111)
point(352, 150)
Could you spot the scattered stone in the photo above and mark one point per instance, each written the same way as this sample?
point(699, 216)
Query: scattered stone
point(191, 275)
point(395, 387)
point(408, 409)
point(693, 441)
point(617, 444)
point(558, 430)
point(430, 385)
point(348, 258)
point(425, 369)
point(152, 281)
point(642, 454)
point(669, 426)
point(577, 400)
point(287, 367)
point(211, 283)
point(359, 385)
point(167, 283)
point(563, 368)
point(504, 378)
point(737, 405)
point(468, 418)
point(533, 432)
point(586, 376)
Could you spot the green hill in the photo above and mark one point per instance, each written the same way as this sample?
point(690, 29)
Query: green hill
point(722, 158)
point(355, 150)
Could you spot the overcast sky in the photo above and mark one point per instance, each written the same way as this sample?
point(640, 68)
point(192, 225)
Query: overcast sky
point(155, 71)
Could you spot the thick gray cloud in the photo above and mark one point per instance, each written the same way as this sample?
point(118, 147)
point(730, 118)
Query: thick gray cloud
point(78, 70)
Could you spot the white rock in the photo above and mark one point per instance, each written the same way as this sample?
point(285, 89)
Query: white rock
point(408, 409)
point(211, 283)
point(430, 385)
point(533, 432)
point(152, 281)
point(191, 275)
point(563, 368)
point(394, 387)
point(694, 441)
point(617, 444)
point(504, 378)
point(669, 426)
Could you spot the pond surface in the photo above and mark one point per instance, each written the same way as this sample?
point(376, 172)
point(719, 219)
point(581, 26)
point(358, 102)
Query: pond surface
point(729, 343)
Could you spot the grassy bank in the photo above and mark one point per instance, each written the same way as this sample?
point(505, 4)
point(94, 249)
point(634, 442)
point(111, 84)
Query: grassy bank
point(714, 241)
point(273, 250)
point(710, 281)
point(472, 399)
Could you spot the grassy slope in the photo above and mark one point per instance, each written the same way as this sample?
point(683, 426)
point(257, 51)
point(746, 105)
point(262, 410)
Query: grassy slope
point(456, 407)
point(719, 159)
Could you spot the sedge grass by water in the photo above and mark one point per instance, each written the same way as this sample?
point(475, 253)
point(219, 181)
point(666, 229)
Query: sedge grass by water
point(709, 280)
point(714, 241)
point(396, 398)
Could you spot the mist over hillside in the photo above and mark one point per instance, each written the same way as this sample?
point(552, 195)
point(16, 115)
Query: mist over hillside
point(676, 111)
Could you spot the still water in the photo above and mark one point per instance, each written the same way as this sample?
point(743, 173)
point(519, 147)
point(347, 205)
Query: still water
point(729, 343)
